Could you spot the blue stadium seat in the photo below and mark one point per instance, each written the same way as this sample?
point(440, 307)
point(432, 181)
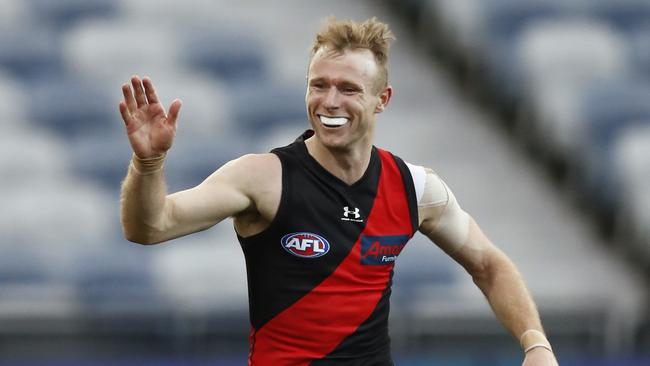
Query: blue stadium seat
point(116, 280)
point(73, 218)
point(110, 154)
point(63, 13)
point(47, 159)
point(558, 59)
point(608, 108)
point(71, 106)
point(232, 57)
point(639, 40)
point(203, 273)
point(14, 14)
point(631, 169)
point(458, 22)
point(19, 266)
point(108, 50)
point(13, 103)
point(205, 137)
point(410, 8)
point(625, 15)
point(192, 159)
point(504, 20)
point(263, 106)
point(30, 52)
point(421, 266)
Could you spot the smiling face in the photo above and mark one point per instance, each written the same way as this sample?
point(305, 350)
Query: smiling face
point(343, 98)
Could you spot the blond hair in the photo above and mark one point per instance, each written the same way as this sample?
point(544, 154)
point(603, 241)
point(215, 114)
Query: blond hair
point(342, 35)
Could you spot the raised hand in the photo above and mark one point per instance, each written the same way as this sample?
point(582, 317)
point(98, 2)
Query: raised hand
point(150, 130)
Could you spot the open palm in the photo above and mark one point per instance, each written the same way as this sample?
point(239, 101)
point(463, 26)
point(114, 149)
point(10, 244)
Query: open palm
point(150, 130)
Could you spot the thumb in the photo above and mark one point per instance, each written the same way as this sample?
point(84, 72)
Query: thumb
point(174, 108)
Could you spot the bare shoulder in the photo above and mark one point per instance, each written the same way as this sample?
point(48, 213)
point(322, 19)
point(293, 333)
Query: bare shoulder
point(259, 178)
point(250, 167)
point(260, 170)
point(257, 164)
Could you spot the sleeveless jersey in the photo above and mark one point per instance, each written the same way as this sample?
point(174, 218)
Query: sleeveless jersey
point(319, 277)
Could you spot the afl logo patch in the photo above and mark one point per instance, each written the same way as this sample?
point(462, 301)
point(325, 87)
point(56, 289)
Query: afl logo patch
point(305, 245)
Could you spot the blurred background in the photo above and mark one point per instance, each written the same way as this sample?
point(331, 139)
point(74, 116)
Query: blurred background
point(536, 113)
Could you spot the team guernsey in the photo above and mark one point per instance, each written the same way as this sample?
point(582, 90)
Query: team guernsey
point(320, 275)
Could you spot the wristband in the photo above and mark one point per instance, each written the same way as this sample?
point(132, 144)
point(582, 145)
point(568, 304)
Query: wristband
point(538, 345)
point(147, 166)
point(533, 338)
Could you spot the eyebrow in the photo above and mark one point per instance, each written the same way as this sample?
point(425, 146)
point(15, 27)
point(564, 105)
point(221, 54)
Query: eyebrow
point(342, 83)
point(350, 84)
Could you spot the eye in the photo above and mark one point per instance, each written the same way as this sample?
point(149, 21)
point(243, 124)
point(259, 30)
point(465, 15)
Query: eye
point(349, 90)
point(317, 85)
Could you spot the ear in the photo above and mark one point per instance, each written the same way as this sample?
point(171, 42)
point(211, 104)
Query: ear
point(384, 98)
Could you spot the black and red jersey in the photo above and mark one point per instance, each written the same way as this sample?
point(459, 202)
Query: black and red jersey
point(319, 277)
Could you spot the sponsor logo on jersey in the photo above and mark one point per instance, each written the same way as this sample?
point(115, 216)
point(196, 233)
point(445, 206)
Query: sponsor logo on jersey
point(305, 245)
point(351, 215)
point(380, 250)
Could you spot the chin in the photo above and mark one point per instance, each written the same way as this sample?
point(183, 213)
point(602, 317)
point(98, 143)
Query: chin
point(332, 142)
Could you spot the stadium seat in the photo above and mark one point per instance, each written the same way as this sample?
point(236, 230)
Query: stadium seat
point(459, 22)
point(419, 266)
point(102, 158)
point(173, 13)
point(193, 158)
point(19, 267)
point(117, 280)
point(64, 13)
point(204, 126)
point(262, 106)
point(631, 169)
point(625, 15)
point(640, 49)
point(230, 56)
point(114, 50)
point(503, 21)
point(30, 288)
point(56, 220)
point(14, 14)
point(31, 155)
point(204, 273)
point(558, 59)
point(608, 108)
point(71, 106)
point(411, 9)
point(207, 109)
point(30, 52)
point(13, 103)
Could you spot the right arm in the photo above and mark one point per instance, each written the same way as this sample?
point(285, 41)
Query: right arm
point(148, 214)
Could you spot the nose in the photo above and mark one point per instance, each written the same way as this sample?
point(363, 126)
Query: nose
point(331, 99)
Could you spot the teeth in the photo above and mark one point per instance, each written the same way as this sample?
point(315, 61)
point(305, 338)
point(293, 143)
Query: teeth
point(333, 121)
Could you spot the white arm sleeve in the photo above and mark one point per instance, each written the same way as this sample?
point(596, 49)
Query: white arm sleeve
point(451, 226)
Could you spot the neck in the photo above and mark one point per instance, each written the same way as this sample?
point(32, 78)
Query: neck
point(347, 165)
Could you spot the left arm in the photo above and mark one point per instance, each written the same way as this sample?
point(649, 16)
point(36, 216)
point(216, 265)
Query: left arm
point(455, 232)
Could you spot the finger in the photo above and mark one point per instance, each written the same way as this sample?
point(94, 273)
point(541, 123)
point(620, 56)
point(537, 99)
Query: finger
point(128, 97)
point(140, 99)
point(174, 108)
point(149, 90)
point(124, 111)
